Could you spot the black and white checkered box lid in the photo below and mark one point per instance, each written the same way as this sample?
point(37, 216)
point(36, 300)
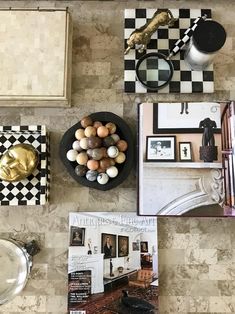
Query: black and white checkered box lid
point(163, 40)
point(33, 190)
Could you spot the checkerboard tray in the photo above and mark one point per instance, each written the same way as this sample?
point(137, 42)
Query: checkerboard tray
point(33, 190)
point(184, 80)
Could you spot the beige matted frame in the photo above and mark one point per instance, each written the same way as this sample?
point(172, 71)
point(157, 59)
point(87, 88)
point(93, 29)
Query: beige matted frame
point(64, 97)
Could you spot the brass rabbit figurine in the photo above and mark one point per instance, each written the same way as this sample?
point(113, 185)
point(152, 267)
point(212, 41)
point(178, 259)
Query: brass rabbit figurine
point(141, 36)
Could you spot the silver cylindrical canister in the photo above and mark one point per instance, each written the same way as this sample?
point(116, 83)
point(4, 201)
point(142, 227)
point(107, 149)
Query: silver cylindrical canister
point(208, 38)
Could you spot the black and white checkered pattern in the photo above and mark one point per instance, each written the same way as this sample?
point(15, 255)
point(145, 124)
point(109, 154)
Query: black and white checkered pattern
point(33, 190)
point(184, 80)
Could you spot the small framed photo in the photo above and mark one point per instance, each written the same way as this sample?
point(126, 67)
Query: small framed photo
point(123, 246)
point(108, 245)
point(77, 236)
point(161, 148)
point(144, 247)
point(135, 246)
point(185, 151)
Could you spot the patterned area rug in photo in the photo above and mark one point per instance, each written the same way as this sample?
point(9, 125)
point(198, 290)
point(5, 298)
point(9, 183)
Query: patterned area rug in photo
point(117, 307)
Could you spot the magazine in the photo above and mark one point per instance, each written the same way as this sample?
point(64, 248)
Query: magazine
point(112, 263)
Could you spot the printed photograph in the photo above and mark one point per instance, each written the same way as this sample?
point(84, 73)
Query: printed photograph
point(108, 245)
point(160, 148)
point(185, 151)
point(77, 236)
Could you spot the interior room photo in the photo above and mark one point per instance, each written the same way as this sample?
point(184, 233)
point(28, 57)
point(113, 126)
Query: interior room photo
point(119, 249)
point(117, 156)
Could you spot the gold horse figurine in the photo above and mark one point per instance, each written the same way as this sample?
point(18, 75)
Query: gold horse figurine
point(141, 36)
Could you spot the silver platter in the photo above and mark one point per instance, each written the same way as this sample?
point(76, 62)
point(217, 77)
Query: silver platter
point(14, 269)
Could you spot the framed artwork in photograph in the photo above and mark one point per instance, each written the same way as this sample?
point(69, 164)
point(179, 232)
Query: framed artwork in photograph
point(144, 246)
point(123, 246)
point(161, 148)
point(135, 246)
point(184, 117)
point(109, 245)
point(77, 236)
point(185, 151)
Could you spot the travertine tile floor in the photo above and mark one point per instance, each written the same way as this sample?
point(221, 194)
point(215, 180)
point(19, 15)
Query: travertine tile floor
point(196, 255)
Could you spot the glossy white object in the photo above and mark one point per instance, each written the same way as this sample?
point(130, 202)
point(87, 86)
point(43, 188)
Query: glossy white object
point(112, 171)
point(112, 151)
point(102, 178)
point(76, 145)
point(71, 155)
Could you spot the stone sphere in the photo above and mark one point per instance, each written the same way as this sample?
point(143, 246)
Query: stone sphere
point(97, 154)
point(115, 137)
point(122, 145)
point(102, 131)
point(97, 124)
point(92, 164)
point(86, 121)
point(90, 131)
point(108, 141)
point(91, 175)
point(71, 155)
point(120, 158)
point(111, 127)
point(76, 146)
point(79, 134)
point(112, 151)
point(82, 158)
point(80, 170)
point(112, 162)
point(84, 143)
point(112, 171)
point(89, 152)
point(94, 142)
point(105, 163)
point(102, 178)
point(104, 152)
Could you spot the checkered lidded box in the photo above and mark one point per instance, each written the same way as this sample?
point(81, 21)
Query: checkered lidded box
point(33, 190)
point(184, 80)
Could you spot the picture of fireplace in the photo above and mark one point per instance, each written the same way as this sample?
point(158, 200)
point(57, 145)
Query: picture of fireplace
point(115, 279)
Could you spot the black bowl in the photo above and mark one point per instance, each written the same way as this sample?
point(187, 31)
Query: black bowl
point(124, 169)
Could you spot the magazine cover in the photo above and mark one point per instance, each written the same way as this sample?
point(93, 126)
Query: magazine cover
point(112, 263)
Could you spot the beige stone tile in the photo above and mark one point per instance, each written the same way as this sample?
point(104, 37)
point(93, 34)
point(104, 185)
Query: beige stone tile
point(171, 256)
point(199, 304)
point(22, 304)
point(173, 304)
point(200, 256)
point(222, 304)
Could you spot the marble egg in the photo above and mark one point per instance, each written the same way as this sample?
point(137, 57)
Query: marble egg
point(102, 131)
point(112, 172)
point(111, 127)
point(84, 143)
point(97, 154)
point(102, 178)
point(108, 141)
point(122, 145)
point(79, 134)
point(112, 162)
point(72, 155)
point(91, 175)
point(80, 170)
point(104, 152)
point(112, 151)
point(76, 146)
point(94, 142)
point(97, 124)
point(90, 131)
point(115, 137)
point(120, 158)
point(89, 152)
point(105, 163)
point(92, 164)
point(82, 158)
point(86, 121)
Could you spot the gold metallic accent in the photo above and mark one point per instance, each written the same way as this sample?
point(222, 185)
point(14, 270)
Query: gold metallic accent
point(18, 162)
point(141, 36)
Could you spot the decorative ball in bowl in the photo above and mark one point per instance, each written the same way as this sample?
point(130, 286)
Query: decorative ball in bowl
point(120, 269)
point(98, 151)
